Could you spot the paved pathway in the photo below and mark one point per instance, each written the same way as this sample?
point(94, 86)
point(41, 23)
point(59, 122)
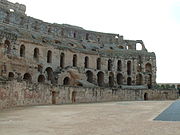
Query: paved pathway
point(172, 113)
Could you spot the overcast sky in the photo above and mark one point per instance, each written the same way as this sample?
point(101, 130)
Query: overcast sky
point(156, 22)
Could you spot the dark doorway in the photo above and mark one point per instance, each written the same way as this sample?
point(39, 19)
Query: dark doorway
point(139, 79)
point(53, 97)
point(119, 78)
point(110, 65)
point(100, 78)
point(41, 78)
point(111, 80)
point(149, 81)
point(129, 81)
point(74, 96)
point(74, 60)
point(86, 62)
point(145, 96)
point(89, 76)
point(66, 81)
point(98, 63)
point(62, 60)
point(129, 67)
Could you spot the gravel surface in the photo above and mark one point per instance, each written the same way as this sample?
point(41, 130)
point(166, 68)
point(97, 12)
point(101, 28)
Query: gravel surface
point(114, 118)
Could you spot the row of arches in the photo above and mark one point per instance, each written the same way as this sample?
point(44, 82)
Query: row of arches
point(148, 66)
point(119, 79)
point(89, 75)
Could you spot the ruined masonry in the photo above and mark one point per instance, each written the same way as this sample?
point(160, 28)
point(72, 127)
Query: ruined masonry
point(43, 63)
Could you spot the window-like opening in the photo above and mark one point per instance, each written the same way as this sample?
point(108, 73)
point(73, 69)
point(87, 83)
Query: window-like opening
point(86, 63)
point(110, 65)
point(111, 80)
point(11, 10)
point(50, 75)
point(139, 68)
point(121, 47)
point(87, 36)
point(41, 79)
point(7, 45)
point(149, 81)
point(11, 75)
point(27, 77)
point(89, 76)
point(49, 57)
point(139, 79)
point(129, 67)
point(138, 46)
point(129, 82)
point(119, 79)
point(22, 51)
point(100, 78)
point(148, 67)
point(74, 35)
point(36, 53)
point(66, 81)
point(99, 63)
point(74, 60)
point(62, 60)
point(98, 39)
point(119, 65)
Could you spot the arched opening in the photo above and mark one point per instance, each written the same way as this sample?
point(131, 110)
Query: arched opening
point(99, 64)
point(110, 65)
point(50, 75)
point(66, 81)
point(27, 77)
point(49, 56)
point(149, 81)
point(62, 60)
point(74, 60)
point(148, 67)
point(100, 78)
point(22, 51)
point(145, 96)
point(7, 45)
point(11, 75)
point(36, 53)
point(86, 62)
point(139, 79)
point(87, 36)
point(138, 46)
point(111, 79)
point(119, 79)
point(74, 34)
point(89, 76)
point(129, 67)
point(74, 96)
point(41, 79)
point(119, 65)
point(129, 81)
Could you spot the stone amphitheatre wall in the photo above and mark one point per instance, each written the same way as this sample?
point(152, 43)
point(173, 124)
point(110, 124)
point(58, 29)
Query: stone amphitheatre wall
point(13, 93)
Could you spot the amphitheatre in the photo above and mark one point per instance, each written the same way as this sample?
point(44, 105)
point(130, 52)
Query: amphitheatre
point(47, 69)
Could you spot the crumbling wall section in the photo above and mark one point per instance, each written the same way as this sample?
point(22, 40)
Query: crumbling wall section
point(13, 93)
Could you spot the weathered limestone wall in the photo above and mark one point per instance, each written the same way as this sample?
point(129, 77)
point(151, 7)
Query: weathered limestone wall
point(15, 93)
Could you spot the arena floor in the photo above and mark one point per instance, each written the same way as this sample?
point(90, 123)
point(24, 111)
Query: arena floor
point(114, 118)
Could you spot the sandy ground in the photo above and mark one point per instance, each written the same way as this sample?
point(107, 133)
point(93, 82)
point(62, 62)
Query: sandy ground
point(116, 118)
